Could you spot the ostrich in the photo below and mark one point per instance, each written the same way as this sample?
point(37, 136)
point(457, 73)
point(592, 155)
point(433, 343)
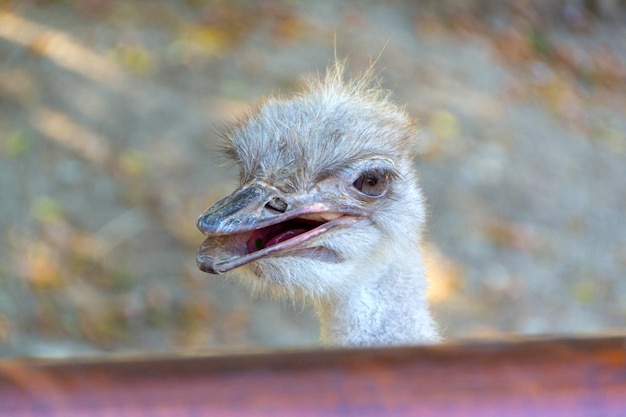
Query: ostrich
point(329, 211)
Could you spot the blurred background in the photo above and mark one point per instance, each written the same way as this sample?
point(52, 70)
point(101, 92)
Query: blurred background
point(108, 120)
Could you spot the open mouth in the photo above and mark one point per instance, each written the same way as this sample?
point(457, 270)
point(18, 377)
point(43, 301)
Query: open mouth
point(221, 253)
point(277, 233)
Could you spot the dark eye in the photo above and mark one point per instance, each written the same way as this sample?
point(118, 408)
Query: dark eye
point(371, 183)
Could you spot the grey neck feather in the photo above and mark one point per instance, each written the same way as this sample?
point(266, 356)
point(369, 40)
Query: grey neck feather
point(388, 307)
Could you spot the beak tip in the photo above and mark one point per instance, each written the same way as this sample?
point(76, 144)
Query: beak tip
point(200, 224)
point(205, 266)
point(206, 224)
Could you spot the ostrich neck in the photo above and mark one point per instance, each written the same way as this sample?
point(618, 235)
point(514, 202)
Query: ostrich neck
point(386, 306)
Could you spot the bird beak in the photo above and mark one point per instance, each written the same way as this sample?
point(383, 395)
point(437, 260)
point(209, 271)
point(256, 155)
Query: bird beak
point(242, 210)
point(248, 225)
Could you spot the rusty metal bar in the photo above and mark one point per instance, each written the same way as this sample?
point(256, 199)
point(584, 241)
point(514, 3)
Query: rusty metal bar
point(565, 377)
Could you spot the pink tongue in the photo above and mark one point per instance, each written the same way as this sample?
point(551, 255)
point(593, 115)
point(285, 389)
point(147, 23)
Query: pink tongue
point(284, 236)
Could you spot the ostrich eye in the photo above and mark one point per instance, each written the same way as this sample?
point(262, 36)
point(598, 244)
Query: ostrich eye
point(371, 183)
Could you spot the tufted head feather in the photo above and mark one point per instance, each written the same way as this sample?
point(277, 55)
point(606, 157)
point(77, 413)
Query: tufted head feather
point(296, 141)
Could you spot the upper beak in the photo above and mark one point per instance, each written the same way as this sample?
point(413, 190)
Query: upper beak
point(244, 209)
point(260, 213)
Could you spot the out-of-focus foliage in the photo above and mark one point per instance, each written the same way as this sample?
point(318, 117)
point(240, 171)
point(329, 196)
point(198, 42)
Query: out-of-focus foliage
point(108, 119)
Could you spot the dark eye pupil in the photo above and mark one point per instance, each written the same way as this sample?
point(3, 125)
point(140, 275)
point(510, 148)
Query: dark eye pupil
point(371, 184)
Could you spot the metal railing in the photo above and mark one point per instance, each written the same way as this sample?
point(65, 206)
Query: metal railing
point(549, 377)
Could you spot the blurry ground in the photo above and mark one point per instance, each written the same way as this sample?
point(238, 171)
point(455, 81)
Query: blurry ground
point(108, 113)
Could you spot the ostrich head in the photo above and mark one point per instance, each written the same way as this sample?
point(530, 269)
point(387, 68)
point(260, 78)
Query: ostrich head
point(328, 193)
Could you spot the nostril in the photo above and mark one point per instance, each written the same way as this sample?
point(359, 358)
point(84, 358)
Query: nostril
point(277, 204)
